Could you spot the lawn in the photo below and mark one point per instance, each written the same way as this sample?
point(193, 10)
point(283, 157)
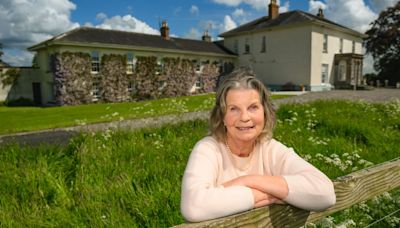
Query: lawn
point(23, 119)
point(132, 178)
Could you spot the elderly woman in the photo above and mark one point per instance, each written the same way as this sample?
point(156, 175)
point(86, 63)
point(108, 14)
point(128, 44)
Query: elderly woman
point(240, 166)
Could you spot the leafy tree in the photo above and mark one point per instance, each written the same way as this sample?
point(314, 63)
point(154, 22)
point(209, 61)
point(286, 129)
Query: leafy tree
point(1, 50)
point(383, 43)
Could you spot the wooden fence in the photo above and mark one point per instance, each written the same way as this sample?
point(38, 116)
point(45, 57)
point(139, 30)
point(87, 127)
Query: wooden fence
point(350, 189)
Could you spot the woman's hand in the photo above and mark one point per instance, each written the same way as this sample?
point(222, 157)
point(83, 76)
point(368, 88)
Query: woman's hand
point(262, 199)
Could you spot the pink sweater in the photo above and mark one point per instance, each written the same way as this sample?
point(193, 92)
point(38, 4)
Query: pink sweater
point(210, 165)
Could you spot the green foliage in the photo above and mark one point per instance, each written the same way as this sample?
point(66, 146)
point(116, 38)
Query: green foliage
point(179, 76)
point(147, 78)
point(114, 80)
point(383, 43)
point(19, 102)
point(72, 78)
point(132, 179)
point(10, 77)
point(14, 120)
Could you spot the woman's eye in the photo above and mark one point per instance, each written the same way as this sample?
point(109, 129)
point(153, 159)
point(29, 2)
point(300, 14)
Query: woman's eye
point(254, 107)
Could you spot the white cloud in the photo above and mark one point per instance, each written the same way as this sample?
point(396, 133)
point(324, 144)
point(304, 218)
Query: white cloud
point(256, 4)
point(101, 16)
point(379, 5)
point(194, 9)
point(193, 33)
point(238, 13)
point(127, 23)
point(228, 24)
point(314, 6)
point(25, 23)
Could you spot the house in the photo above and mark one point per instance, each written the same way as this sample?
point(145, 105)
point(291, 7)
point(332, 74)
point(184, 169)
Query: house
point(87, 65)
point(295, 49)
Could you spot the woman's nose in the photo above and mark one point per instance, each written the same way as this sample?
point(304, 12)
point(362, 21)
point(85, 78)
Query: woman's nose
point(244, 116)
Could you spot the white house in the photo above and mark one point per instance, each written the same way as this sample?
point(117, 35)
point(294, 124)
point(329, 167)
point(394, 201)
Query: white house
point(295, 49)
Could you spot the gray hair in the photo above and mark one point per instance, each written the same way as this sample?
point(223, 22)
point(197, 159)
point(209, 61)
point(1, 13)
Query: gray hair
point(241, 78)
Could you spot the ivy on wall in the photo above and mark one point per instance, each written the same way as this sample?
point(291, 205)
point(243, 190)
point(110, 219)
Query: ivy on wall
point(113, 78)
point(147, 78)
point(10, 77)
point(179, 76)
point(151, 79)
point(72, 78)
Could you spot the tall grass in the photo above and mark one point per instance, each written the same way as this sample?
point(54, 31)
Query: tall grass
point(132, 179)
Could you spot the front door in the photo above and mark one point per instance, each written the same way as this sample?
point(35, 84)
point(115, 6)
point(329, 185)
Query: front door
point(37, 93)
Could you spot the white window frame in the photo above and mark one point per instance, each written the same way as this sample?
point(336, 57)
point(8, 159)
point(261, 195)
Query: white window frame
point(130, 63)
point(324, 73)
point(236, 46)
point(325, 43)
point(95, 62)
point(247, 46)
point(263, 44)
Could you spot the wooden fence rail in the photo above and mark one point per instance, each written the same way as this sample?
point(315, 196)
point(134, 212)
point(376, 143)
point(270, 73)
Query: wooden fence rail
point(350, 189)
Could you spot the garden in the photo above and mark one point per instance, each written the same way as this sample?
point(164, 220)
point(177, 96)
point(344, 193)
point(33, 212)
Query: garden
point(132, 178)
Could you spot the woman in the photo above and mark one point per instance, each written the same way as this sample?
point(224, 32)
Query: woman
point(240, 167)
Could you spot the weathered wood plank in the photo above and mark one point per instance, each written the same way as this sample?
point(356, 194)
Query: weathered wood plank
point(350, 189)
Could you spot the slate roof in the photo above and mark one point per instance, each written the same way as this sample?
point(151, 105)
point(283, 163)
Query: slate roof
point(113, 37)
point(283, 19)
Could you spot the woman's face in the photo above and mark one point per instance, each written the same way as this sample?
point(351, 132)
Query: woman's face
point(244, 118)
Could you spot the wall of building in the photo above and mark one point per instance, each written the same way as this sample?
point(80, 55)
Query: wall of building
point(286, 59)
point(46, 75)
point(319, 57)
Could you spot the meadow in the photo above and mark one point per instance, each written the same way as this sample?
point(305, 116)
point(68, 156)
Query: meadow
point(24, 119)
point(132, 178)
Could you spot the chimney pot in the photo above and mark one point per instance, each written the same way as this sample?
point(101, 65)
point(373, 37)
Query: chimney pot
point(206, 37)
point(164, 30)
point(320, 13)
point(273, 10)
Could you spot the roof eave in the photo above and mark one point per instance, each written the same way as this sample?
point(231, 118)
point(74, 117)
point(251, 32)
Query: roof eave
point(127, 47)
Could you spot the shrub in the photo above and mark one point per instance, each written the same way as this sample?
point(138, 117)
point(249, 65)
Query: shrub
point(22, 101)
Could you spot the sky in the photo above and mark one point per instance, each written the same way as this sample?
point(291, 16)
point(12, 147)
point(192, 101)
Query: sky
point(24, 23)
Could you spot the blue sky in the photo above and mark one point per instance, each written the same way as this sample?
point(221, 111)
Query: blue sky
point(27, 22)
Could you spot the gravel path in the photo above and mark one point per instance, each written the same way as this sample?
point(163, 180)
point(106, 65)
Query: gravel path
point(62, 136)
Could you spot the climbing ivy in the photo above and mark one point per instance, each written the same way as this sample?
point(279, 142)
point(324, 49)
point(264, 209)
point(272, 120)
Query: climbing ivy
point(147, 78)
point(113, 78)
point(72, 78)
point(179, 76)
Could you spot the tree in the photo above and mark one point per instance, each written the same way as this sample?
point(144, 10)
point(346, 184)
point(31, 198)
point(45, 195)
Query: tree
point(1, 50)
point(383, 43)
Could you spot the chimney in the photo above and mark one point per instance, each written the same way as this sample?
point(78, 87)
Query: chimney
point(273, 10)
point(164, 30)
point(320, 13)
point(206, 37)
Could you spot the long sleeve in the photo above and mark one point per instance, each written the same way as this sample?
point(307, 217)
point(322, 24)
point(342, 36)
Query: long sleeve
point(201, 198)
point(309, 188)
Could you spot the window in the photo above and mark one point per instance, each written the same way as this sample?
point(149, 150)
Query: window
point(96, 90)
point(324, 73)
point(160, 65)
point(325, 44)
point(246, 46)
point(264, 44)
point(236, 46)
point(130, 63)
point(353, 47)
point(341, 46)
point(199, 83)
point(95, 62)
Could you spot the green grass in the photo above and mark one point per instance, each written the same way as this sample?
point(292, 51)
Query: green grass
point(24, 119)
point(132, 178)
